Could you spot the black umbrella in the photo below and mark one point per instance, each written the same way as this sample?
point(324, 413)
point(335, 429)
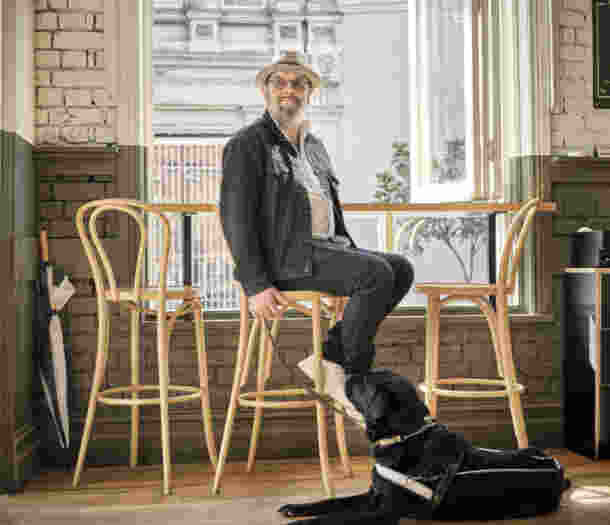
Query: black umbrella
point(51, 295)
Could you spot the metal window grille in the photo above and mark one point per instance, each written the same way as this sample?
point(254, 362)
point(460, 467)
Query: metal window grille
point(191, 173)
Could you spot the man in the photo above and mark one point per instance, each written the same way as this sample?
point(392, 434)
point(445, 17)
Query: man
point(283, 222)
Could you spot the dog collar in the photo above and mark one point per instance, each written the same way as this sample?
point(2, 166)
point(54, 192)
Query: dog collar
point(400, 438)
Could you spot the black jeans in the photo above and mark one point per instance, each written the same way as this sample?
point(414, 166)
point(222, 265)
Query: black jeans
point(375, 283)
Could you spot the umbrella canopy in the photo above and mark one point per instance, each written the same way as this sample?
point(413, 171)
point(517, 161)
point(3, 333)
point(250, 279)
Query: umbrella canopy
point(52, 360)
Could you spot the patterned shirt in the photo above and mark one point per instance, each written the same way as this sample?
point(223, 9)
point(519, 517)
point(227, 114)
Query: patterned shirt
point(322, 215)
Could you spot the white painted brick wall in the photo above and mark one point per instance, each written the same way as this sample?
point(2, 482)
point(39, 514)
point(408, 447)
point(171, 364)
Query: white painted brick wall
point(575, 5)
point(46, 20)
point(58, 116)
point(42, 116)
point(582, 126)
point(78, 97)
point(74, 59)
point(72, 106)
point(76, 21)
point(99, 60)
point(47, 135)
point(100, 97)
point(43, 78)
point(91, 5)
point(82, 78)
point(47, 59)
point(42, 40)
point(77, 134)
point(50, 97)
point(78, 40)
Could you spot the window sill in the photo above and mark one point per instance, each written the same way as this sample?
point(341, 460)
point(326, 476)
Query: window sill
point(450, 317)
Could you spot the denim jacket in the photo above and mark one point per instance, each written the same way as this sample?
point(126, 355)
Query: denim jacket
point(265, 214)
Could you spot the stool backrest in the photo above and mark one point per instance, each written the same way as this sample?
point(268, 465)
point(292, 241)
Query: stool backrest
point(103, 274)
point(511, 260)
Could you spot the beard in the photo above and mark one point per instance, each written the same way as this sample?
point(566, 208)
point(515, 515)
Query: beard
point(285, 110)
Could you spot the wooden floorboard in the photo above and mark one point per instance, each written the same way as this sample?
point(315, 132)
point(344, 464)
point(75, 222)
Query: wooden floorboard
point(120, 485)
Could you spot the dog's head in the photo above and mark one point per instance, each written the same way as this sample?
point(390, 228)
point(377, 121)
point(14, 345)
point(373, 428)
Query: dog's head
point(388, 402)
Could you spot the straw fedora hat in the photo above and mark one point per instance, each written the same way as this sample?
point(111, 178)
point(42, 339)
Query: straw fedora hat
point(290, 61)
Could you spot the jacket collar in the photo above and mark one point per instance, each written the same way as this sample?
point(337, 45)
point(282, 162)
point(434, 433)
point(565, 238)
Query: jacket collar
point(279, 135)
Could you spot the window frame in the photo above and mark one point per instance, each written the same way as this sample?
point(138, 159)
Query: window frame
point(139, 105)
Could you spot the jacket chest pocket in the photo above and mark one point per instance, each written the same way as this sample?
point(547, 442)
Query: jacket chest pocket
point(277, 165)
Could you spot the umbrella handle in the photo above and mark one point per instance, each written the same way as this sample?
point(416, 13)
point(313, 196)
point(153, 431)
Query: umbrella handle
point(44, 245)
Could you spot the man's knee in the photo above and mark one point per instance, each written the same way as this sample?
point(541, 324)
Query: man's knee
point(404, 273)
point(379, 275)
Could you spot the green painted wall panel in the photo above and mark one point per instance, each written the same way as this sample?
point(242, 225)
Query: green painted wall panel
point(19, 225)
point(25, 190)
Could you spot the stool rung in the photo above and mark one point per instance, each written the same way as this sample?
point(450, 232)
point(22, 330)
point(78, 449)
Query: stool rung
point(472, 394)
point(244, 399)
point(102, 396)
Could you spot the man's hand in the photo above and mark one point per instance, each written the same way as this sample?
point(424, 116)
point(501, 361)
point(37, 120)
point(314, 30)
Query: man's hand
point(270, 303)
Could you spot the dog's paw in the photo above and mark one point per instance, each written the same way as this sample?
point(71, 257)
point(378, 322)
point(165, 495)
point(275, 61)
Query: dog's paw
point(294, 510)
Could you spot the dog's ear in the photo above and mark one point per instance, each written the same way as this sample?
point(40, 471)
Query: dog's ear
point(366, 395)
point(407, 410)
point(388, 403)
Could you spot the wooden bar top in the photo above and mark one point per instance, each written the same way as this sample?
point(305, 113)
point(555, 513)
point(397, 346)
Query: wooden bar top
point(574, 269)
point(482, 207)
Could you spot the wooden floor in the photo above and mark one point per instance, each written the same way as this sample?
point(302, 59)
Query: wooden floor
point(120, 485)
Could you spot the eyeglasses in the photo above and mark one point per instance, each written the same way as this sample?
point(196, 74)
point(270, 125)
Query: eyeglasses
point(299, 84)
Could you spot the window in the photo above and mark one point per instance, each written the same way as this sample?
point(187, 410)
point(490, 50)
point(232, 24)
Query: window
point(244, 3)
point(438, 112)
point(469, 123)
point(440, 90)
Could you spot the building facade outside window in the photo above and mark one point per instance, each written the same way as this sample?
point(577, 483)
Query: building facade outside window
point(408, 109)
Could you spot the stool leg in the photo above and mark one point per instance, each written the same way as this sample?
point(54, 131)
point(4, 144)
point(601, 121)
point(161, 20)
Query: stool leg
point(505, 346)
point(339, 418)
point(251, 342)
point(342, 444)
point(269, 353)
point(320, 408)
point(103, 336)
point(244, 348)
point(162, 352)
point(135, 381)
point(492, 321)
point(203, 382)
point(260, 386)
point(432, 349)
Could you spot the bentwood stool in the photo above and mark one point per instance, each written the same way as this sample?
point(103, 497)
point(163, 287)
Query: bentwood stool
point(497, 319)
point(133, 299)
point(261, 398)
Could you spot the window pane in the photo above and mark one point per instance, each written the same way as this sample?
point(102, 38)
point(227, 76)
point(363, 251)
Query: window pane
point(190, 171)
point(440, 72)
point(367, 230)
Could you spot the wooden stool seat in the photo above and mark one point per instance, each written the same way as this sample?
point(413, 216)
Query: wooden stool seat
point(498, 321)
point(474, 289)
point(121, 295)
point(260, 398)
point(133, 299)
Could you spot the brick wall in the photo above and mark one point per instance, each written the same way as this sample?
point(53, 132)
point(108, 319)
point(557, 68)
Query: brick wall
point(72, 106)
point(578, 125)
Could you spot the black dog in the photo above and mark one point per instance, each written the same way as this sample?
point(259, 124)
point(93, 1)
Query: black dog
point(424, 471)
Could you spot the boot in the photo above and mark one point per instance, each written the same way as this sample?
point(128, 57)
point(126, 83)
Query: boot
point(332, 349)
